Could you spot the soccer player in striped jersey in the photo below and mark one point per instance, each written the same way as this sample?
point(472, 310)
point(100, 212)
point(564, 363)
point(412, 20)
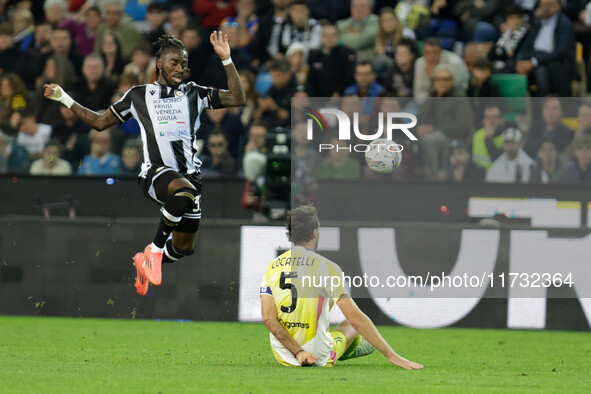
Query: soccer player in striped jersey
point(168, 112)
point(296, 313)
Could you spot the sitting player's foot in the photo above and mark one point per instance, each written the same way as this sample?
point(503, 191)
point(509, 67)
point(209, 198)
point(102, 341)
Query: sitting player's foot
point(141, 281)
point(153, 265)
point(364, 349)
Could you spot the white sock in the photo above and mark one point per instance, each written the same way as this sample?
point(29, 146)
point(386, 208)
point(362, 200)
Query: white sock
point(155, 248)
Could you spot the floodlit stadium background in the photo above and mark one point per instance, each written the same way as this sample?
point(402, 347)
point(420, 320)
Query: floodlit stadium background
point(66, 242)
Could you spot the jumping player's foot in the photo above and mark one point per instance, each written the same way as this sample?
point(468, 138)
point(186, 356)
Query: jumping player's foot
point(141, 281)
point(153, 264)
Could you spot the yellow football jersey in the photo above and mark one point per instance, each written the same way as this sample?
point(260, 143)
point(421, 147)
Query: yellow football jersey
point(305, 286)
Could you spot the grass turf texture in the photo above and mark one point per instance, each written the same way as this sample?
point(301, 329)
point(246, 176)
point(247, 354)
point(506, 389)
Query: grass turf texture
point(40, 354)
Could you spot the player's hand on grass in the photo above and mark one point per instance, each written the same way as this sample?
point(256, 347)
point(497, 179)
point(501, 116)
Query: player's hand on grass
point(404, 363)
point(306, 359)
point(219, 41)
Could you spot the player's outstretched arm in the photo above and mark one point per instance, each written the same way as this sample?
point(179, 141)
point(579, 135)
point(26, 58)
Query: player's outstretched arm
point(234, 96)
point(98, 122)
point(364, 326)
point(269, 314)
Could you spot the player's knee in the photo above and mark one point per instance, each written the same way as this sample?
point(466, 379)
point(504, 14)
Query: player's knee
point(184, 200)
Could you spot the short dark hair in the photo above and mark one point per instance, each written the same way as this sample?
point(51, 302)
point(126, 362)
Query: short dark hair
point(259, 123)
point(552, 96)
point(132, 144)
point(365, 63)
point(299, 2)
point(217, 131)
point(178, 7)
point(196, 28)
point(280, 64)
point(156, 6)
point(517, 11)
point(53, 142)
point(93, 8)
point(165, 43)
point(493, 105)
point(328, 24)
point(547, 140)
point(482, 63)
point(411, 45)
point(45, 22)
point(55, 30)
point(433, 41)
point(301, 223)
point(63, 29)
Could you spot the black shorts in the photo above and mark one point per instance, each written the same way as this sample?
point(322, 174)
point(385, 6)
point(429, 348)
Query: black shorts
point(155, 187)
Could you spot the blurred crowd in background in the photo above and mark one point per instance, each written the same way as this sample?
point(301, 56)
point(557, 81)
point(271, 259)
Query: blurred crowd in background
point(388, 55)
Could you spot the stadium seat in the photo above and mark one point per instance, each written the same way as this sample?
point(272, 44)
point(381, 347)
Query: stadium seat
point(514, 88)
point(420, 44)
point(511, 85)
point(475, 50)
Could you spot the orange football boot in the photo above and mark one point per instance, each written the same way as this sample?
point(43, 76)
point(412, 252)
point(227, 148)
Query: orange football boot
point(141, 281)
point(153, 266)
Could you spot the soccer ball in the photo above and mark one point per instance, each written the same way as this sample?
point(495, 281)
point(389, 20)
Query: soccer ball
point(383, 156)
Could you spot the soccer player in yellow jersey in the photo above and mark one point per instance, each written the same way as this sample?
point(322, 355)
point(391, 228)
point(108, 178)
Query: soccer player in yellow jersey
point(297, 294)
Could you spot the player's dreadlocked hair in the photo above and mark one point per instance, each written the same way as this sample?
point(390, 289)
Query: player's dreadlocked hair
point(301, 223)
point(167, 42)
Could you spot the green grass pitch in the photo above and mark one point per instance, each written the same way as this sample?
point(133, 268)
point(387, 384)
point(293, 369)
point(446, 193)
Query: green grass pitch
point(40, 354)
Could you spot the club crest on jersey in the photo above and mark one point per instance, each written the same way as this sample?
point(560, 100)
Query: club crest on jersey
point(179, 93)
point(152, 92)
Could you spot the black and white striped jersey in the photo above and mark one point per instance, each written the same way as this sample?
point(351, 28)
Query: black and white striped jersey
point(169, 120)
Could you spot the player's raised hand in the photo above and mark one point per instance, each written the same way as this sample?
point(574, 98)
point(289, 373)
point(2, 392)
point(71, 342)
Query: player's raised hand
point(52, 91)
point(306, 359)
point(219, 41)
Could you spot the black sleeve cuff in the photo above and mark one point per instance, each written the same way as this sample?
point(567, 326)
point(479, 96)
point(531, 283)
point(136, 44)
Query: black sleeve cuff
point(214, 99)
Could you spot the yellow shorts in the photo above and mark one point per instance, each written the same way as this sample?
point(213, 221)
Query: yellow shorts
point(339, 345)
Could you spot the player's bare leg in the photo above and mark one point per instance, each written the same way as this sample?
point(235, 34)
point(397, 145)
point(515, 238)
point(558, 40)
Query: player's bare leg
point(177, 184)
point(179, 245)
point(183, 241)
point(182, 198)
